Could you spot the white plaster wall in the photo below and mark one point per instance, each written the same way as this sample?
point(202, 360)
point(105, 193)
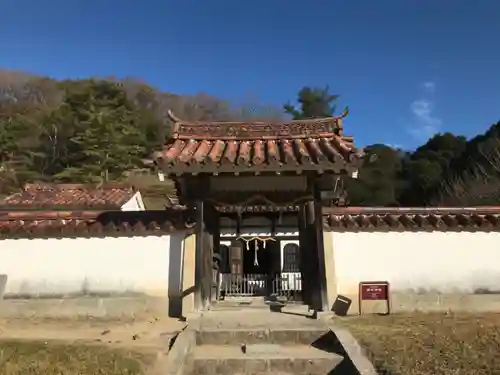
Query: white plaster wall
point(97, 265)
point(445, 262)
point(134, 204)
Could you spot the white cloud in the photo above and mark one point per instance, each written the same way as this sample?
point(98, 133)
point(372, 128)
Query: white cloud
point(425, 123)
point(429, 87)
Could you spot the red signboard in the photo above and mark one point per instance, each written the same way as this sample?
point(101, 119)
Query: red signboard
point(374, 291)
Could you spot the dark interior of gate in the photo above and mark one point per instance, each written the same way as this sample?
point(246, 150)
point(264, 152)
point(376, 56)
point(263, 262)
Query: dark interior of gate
point(258, 191)
point(262, 260)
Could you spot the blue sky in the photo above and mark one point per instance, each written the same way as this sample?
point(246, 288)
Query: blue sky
point(406, 68)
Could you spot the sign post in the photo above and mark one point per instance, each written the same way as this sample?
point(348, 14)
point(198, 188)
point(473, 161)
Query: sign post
point(374, 291)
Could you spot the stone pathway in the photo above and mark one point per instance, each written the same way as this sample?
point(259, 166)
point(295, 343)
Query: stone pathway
point(155, 332)
point(257, 341)
point(291, 316)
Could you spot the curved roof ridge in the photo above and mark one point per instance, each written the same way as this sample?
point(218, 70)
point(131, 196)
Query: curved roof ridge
point(254, 130)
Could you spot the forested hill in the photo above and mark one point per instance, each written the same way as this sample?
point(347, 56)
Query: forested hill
point(94, 130)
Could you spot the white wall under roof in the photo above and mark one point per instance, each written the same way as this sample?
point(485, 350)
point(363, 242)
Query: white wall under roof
point(75, 266)
point(421, 262)
point(135, 203)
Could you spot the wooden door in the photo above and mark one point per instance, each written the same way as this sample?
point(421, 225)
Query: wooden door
point(236, 258)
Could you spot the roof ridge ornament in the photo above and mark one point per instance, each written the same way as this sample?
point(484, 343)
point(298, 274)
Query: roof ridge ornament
point(173, 117)
point(344, 113)
point(326, 127)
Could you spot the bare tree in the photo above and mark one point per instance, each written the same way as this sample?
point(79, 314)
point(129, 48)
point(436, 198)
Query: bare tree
point(478, 185)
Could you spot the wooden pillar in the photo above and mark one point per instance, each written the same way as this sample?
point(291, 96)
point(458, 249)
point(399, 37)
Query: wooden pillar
point(318, 226)
point(207, 270)
point(199, 266)
point(216, 247)
point(209, 214)
point(314, 286)
point(314, 230)
point(305, 264)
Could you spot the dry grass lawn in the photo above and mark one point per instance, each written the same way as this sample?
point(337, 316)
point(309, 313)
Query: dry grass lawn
point(430, 344)
point(20, 357)
point(32, 346)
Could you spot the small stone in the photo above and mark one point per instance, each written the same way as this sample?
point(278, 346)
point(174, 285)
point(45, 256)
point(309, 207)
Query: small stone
point(105, 332)
point(135, 337)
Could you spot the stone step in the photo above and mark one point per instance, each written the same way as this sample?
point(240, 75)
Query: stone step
point(237, 306)
point(283, 336)
point(262, 359)
point(255, 303)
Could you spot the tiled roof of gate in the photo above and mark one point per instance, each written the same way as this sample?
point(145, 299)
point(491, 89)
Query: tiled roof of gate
point(39, 224)
point(70, 196)
point(366, 219)
point(229, 146)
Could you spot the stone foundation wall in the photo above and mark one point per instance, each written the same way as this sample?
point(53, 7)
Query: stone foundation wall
point(85, 307)
point(430, 302)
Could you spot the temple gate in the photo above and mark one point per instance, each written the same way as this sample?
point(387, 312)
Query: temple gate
point(274, 172)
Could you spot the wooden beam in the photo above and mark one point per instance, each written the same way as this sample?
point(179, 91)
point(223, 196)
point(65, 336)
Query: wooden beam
point(340, 166)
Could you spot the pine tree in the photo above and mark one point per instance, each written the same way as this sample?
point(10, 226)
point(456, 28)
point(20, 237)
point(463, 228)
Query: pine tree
point(107, 139)
point(314, 103)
